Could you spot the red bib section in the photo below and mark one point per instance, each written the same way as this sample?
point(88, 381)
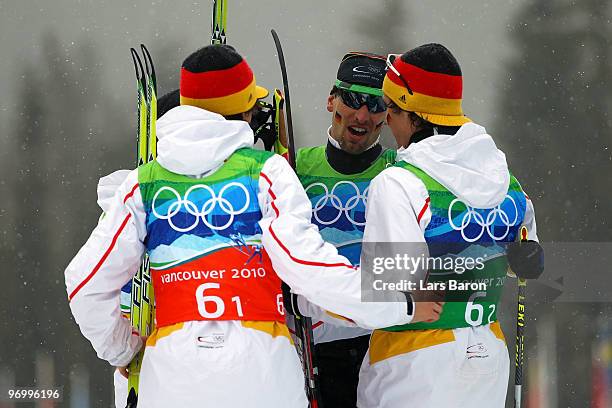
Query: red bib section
point(224, 284)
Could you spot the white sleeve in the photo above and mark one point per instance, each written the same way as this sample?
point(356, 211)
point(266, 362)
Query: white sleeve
point(94, 278)
point(309, 265)
point(410, 205)
point(320, 315)
point(107, 187)
point(398, 208)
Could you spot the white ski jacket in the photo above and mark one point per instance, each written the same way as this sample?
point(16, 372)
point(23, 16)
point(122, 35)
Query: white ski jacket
point(468, 164)
point(434, 368)
point(255, 357)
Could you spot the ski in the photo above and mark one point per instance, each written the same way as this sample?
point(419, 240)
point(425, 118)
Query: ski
point(283, 67)
point(141, 122)
point(303, 324)
point(142, 300)
point(151, 103)
point(219, 22)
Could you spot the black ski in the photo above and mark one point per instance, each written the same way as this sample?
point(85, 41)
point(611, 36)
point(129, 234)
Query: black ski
point(303, 324)
point(142, 305)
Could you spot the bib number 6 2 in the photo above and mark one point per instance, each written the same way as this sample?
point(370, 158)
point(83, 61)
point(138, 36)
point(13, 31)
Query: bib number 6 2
point(474, 308)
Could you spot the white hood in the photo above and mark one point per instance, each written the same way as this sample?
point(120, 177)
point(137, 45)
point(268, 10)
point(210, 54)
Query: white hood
point(469, 164)
point(193, 141)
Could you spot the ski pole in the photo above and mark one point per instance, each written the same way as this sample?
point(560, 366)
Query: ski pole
point(303, 324)
point(520, 334)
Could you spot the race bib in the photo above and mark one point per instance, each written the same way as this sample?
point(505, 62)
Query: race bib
point(223, 285)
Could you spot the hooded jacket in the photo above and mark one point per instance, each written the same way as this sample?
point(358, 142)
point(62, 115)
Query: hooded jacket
point(195, 142)
point(468, 164)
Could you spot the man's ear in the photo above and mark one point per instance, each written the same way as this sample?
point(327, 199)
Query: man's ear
point(330, 103)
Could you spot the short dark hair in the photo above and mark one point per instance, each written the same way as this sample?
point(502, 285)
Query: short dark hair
point(420, 123)
point(167, 102)
point(238, 116)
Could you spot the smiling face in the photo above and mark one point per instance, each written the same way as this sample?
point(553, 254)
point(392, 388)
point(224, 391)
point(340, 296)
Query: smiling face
point(354, 129)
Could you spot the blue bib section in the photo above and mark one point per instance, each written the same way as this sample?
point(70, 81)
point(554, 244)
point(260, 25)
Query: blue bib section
point(338, 200)
point(187, 216)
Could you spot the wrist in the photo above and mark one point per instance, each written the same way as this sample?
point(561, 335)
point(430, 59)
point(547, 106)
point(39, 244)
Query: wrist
point(409, 303)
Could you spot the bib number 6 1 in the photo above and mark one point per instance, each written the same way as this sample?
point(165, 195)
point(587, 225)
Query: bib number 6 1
point(217, 305)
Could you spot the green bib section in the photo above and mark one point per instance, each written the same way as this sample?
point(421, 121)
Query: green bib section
point(338, 200)
point(242, 162)
point(186, 214)
point(458, 233)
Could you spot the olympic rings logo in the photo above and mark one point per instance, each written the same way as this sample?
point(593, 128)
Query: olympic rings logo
point(336, 202)
point(472, 216)
point(207, 207)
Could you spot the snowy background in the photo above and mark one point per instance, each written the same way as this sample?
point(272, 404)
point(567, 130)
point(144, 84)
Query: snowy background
point(536, 75)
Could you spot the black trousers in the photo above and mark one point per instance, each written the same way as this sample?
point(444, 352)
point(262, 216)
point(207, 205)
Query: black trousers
point(339, 362)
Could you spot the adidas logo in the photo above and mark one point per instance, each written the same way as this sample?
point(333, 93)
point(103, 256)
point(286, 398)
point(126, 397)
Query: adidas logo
point(403, 98)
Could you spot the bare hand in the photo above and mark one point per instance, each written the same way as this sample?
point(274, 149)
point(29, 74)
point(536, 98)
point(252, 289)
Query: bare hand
point(428, 306)
point(123, 371)
point(427, 311)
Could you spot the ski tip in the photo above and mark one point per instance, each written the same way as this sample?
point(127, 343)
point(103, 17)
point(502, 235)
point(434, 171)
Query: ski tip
point(134, 54)
point(145, 52)
point(137, 63)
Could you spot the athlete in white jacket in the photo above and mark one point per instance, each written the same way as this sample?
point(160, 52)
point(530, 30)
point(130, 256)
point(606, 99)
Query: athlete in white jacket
point(450, 186)
point(202, 211)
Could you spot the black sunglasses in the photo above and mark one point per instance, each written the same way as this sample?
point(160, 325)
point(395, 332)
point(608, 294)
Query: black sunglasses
point(390, 60)
point(356, 100)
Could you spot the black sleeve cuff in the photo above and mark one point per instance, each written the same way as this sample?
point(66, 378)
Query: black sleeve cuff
point(409, 303)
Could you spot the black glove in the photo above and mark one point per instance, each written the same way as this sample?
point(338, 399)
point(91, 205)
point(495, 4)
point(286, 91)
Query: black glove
point(526, 259)
point(267, 135)
point(290, 301)
point(262, 126)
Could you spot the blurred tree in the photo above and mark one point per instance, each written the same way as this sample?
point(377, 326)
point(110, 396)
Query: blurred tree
point(63, 135)
point(383, 31)
point(70, 131)
point(23, 243)
point(553, 117)
point(553, 123)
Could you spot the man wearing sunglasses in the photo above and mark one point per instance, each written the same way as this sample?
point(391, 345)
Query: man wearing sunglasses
point(336, 177)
